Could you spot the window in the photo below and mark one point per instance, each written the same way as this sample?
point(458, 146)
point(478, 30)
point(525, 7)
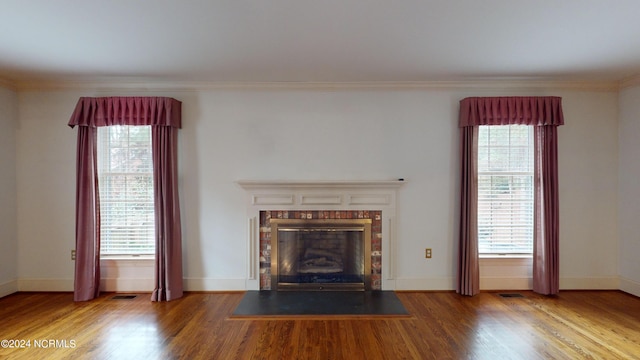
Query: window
point(125, 181)
point(505, 189)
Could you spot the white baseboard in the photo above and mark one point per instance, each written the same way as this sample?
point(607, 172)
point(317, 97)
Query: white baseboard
point(516, 283)
point(108, 284)
point(209, 284)
point(251, 284)
point(590, 283)
point(8, 288)
point(425, 284)
point(401, 284)
point(45, 284)
point(127, 285)
point(448, 284)
point(566, 283)
point(630, 286)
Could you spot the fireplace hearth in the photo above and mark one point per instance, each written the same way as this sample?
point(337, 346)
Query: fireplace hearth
point(320, 254)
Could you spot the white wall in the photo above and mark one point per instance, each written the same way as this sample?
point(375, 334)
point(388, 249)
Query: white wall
point(629, 190)
point(588, 163)
point(8, 234)
point(46, 191)
point(320, 134)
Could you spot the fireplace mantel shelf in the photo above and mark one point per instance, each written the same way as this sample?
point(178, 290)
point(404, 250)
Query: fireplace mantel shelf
point(319, 184)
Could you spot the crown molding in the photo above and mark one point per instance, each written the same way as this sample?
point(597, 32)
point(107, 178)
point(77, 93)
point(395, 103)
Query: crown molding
point(630, 81)
point(6, 83)
point(158, 85)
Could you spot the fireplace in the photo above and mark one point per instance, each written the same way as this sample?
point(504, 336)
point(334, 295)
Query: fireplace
point(326, 205)
point(321, 254)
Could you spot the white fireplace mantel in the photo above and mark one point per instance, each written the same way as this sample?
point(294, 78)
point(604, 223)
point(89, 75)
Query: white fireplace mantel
point(321, 195)
point(312, 195)
point(319, 184)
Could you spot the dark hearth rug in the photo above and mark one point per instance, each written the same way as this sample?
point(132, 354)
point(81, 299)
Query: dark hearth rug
point(312, 303)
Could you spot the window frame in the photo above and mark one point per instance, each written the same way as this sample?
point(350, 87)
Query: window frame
point(528, 200)
point(104, 133)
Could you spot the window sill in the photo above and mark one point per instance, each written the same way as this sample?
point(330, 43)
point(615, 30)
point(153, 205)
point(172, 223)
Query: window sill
point(126, 258)
point(505, 256)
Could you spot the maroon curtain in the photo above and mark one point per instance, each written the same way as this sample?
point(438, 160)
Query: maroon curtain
point(167, 214)
point(468, 280)
point(87, 271)
point(512, 110)
point(545, 113)
point(546, 257)
point(160, 113)
point(105, 111)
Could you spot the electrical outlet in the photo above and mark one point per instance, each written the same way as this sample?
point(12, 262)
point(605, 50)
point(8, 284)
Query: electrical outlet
point(73, 255)
point(427, 253)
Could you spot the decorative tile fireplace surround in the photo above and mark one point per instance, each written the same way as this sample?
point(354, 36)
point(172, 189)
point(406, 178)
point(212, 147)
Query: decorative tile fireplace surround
point(332, 221)
point(321, 202)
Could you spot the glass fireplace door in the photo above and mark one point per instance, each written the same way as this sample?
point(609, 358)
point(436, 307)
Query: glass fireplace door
point(321, 255)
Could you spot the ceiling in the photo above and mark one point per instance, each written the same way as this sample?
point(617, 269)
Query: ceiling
point(319, 40)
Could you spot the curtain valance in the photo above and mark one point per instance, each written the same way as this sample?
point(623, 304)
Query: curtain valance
point(107, 111)
point(511, 110)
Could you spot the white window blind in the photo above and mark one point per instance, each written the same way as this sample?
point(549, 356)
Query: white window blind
point(125, 181)
point(505, 189)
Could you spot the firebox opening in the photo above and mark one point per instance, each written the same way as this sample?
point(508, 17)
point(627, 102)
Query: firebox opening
point(321, 254)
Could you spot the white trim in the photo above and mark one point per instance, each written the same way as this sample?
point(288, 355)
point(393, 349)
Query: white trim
point(135, 84)
point(109, 260)
point(505, 256)
point(515, 283)
point(369, 199)
point(45, 285)
point(425, 284)
point(8, 288)
point(334, 199)
point(317, 184)
point(272, 199)
point(132, 284)
point(253, 251)
point(629, 286)
point(630, 82)
point(210, 284)
point(8, 84)
point(590, 283)
point(390, 269)
point(400, 284)
point(526, 283)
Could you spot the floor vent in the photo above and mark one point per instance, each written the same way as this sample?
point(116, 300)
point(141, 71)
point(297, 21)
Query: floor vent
point(511, 295)
point(123, 297)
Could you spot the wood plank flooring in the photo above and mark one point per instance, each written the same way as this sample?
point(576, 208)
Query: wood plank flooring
point(443, 325)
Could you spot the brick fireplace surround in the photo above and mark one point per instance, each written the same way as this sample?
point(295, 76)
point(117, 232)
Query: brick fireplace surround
point(376, 238)
point(375, 200)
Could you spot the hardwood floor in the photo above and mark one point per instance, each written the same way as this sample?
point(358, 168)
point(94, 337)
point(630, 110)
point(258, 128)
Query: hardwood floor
point(444, 325)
